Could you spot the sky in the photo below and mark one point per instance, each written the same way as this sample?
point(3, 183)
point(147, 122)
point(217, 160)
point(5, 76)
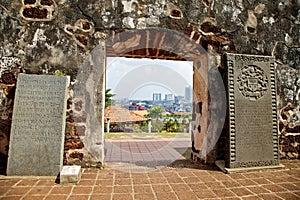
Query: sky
point(140, 78)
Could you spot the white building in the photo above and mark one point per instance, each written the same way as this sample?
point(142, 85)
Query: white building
point(169, 97)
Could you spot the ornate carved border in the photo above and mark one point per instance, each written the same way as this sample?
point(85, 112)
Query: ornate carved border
point(274, 108)
point(231, 109)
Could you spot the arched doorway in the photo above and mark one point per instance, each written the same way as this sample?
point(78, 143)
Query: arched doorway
point(147, 86)
point(209, 94)
point(170, 45)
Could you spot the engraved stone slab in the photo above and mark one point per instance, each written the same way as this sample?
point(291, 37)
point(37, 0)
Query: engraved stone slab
point(38, 126)
point(253, 139)
point(70, 174)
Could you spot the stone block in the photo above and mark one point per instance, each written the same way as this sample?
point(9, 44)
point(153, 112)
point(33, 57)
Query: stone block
point(70, 174)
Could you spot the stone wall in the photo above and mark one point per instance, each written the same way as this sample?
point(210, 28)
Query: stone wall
point(289, 111)
point(44, 36)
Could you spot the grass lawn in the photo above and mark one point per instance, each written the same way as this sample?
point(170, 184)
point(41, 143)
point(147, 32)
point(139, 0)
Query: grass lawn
point(126, 135)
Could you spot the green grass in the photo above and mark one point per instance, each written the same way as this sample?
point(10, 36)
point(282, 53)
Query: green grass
point(126, 135)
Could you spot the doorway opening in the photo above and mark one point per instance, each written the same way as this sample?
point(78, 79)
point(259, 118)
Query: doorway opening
point(148, 112)
point(161, 44)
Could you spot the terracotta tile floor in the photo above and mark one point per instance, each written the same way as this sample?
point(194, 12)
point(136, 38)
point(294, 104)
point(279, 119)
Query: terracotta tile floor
point(144, 155)
point(181, 179)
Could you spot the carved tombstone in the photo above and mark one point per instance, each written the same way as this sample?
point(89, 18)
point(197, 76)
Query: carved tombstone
point(252, 139)
point(38, 126)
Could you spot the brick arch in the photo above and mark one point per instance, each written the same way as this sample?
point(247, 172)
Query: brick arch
point(155, 44)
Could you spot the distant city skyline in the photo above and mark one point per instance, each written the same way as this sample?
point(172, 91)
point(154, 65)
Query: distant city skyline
point(140, 78)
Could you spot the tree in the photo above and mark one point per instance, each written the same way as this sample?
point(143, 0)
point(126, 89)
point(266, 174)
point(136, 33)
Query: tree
point(108, 98)
point(172, 126)
point(155, 112)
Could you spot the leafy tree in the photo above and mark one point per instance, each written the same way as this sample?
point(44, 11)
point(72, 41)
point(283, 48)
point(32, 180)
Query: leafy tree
point(155, 112)
point(108, 98)
point(172, 126)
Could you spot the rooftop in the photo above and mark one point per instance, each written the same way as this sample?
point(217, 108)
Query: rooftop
point(118, 114)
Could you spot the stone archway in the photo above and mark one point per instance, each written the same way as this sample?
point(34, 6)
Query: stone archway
point(209, 93)
point(171, 45)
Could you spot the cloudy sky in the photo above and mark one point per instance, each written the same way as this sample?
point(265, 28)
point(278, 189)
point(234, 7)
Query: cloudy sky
point(140, 78)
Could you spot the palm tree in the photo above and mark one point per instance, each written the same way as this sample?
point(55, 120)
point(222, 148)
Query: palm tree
point(108, 98)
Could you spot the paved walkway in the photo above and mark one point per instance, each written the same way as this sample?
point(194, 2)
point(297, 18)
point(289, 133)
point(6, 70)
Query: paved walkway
point(180, 180)
point(144, 154)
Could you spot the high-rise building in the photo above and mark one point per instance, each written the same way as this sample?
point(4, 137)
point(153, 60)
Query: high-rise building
point(178, 99)
point(188, 94)
point(156, 96)
point(168, 97)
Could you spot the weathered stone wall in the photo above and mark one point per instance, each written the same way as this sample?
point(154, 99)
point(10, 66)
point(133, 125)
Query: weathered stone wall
point(289, 111)
point(43, 36)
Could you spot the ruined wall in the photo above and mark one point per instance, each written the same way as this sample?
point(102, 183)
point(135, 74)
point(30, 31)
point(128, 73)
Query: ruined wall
point(44, 36)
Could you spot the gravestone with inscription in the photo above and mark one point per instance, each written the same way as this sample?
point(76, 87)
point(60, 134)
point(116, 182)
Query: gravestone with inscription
point(252, 139)
point(38, 126)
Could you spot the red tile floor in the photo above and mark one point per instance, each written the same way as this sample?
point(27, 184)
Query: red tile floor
point(144, 155)
point(180, 180)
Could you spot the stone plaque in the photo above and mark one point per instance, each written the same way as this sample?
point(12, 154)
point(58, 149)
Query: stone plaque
point(253, 140)
point(38, 126)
